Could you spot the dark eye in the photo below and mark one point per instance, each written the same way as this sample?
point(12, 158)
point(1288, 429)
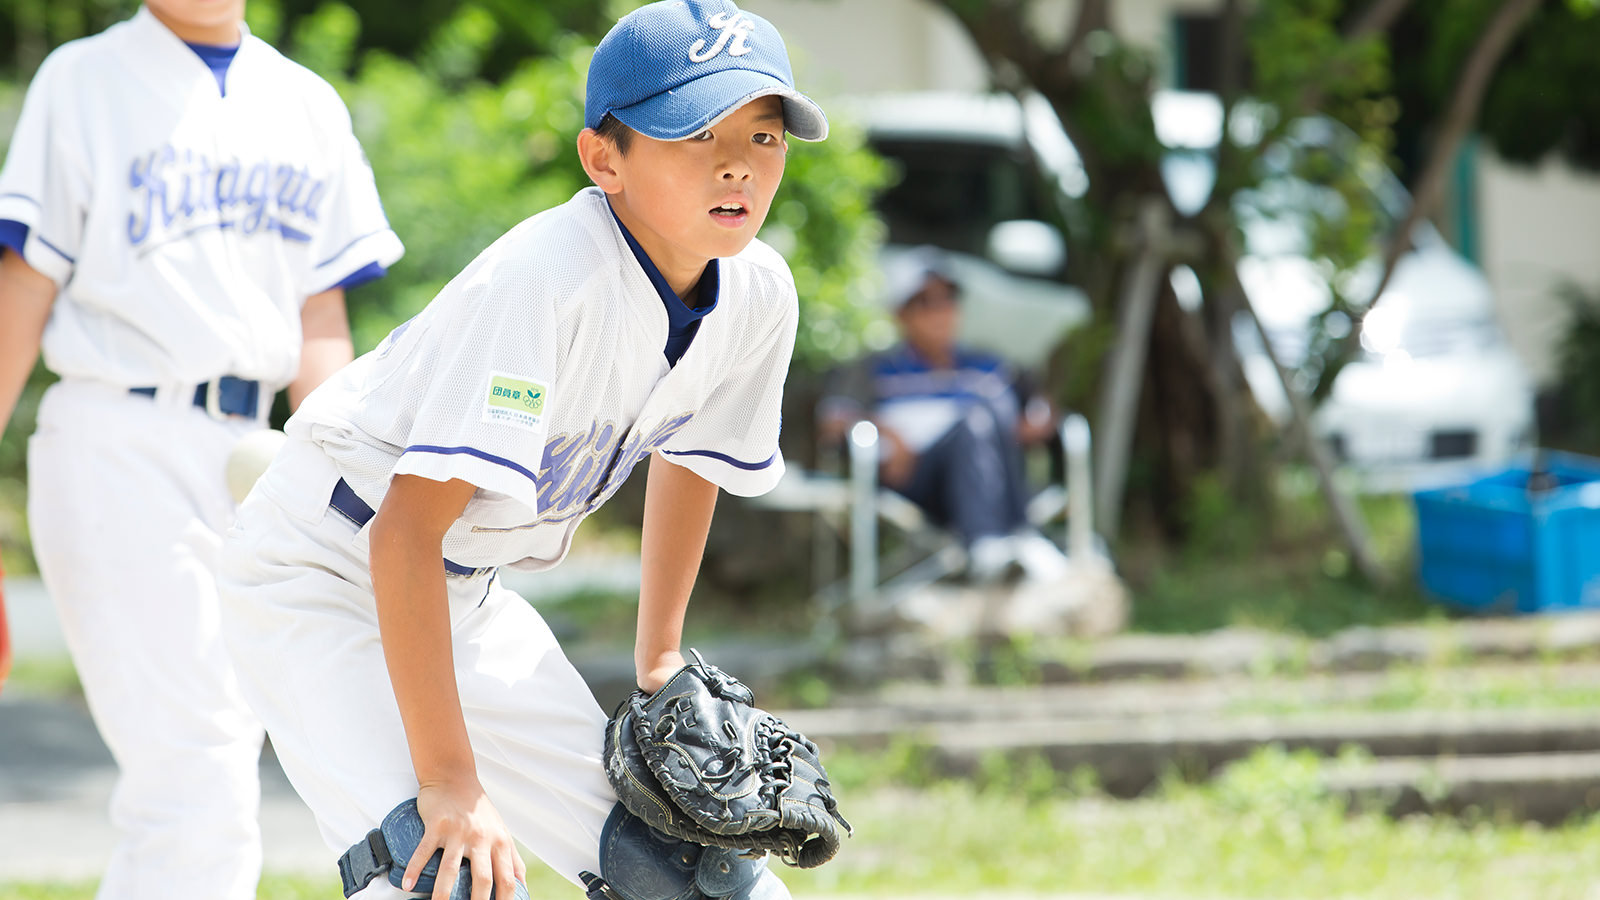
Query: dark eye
point(765, 137)
point(702, 136)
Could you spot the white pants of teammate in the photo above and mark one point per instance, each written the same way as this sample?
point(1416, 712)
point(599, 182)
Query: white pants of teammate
point(127, 504)
point(298, 615)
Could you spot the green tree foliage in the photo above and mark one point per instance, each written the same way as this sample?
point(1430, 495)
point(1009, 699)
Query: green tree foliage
point(459, 165)
point(1541, 99)
point(29, 28)
point(459, 159)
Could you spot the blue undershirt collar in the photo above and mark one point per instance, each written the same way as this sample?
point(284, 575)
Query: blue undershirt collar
point(682, 320)
point(217, 59)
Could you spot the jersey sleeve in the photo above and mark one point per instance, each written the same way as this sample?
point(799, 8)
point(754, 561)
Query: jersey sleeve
point(732, 441)
point(354, 243)
point(46, 184)
point(481, 398)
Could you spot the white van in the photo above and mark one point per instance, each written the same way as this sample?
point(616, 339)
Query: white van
point(972, 185)
point(1437, 388)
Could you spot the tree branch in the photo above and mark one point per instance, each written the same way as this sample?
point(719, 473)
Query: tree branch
point(1376, 18)
point(1465, 103)
point(998, 29)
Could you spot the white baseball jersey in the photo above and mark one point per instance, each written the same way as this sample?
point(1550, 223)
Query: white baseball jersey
point(538, 375)
point(185, 228)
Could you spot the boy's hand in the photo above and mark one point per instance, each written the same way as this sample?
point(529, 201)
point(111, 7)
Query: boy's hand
point(655, 672)
point(458, 818)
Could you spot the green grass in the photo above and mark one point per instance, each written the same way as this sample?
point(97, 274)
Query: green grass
point(1441, 688)
point(1264, 829)
point(1288, 574)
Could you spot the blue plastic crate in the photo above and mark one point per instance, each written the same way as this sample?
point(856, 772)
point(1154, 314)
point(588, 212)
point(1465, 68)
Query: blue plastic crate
point(1495, 546)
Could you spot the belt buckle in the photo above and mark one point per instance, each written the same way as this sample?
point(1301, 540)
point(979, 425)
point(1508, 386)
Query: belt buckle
point(213, 392)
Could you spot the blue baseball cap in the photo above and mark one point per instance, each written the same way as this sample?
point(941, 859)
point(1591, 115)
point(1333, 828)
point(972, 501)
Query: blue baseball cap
point(672, 69)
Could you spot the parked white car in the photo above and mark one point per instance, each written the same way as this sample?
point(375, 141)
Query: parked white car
point(1437, 387)
point(1437, 390)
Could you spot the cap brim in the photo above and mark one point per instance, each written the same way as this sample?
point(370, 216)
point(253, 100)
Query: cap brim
point(693, 107)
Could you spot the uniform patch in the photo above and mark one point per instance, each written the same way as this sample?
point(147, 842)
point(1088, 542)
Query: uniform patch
point(514, 401)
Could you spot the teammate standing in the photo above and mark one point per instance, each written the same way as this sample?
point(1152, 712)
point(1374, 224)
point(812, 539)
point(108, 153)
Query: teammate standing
point(641, 319)
point(181, 210)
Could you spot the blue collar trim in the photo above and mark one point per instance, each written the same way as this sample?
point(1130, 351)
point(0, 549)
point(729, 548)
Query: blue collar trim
point(217, 58)
point(679, 314)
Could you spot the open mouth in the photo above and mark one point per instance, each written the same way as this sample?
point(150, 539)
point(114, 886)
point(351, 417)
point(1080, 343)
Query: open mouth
point(729, 210)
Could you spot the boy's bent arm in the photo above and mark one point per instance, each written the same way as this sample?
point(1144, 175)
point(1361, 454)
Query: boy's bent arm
point(325, 342)
point(677, 516)
point(414, 625)
point(26, 297)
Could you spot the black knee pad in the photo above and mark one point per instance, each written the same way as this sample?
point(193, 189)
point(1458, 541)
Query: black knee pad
point(639, 863)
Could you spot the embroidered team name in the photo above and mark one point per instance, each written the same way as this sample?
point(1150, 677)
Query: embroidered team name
point(177, 193)
point(514, 401)
point(581, 471)
point(735, 31)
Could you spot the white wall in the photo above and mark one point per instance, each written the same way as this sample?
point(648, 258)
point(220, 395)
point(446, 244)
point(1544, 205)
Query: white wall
point(868, 46)
point(1538, 227)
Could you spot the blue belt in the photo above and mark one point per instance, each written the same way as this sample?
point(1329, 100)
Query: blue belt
point(345, 502)
point(227, 395)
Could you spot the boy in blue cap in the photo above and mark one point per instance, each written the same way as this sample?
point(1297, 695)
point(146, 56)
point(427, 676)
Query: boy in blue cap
point(640, 319)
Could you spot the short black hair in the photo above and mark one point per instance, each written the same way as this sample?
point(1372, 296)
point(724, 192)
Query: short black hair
point(612, 129)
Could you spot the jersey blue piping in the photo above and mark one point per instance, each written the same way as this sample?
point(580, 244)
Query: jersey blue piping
point(472, 451)
point(349, 245)
point(58, 251)
point(720, 457)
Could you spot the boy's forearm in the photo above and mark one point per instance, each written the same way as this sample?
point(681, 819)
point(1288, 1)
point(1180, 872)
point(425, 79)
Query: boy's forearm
point(26, 297)
point(677, 516)
point(414, 626)
point(325, 343)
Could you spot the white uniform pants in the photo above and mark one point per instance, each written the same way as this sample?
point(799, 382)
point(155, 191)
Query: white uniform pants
point(298, 615)
point(127, 504)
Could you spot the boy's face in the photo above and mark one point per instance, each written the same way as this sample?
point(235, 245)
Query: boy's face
point(201, 21)
point(703, 197)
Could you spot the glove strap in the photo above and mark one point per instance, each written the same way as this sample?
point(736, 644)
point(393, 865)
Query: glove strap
point(595, 887)
point(365, 861)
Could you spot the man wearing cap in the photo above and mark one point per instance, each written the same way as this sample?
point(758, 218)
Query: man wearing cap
point(640, 320)
point(952, 422)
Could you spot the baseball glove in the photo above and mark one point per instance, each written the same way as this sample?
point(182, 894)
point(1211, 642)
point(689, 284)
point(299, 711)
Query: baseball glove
point(698, 761)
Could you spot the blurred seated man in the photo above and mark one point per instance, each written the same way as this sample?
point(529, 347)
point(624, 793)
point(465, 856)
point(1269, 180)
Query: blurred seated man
point(952, 423)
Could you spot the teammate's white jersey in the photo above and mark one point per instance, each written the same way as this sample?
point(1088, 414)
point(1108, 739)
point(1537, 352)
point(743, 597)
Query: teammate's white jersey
point(185, 228)
point(538, 375)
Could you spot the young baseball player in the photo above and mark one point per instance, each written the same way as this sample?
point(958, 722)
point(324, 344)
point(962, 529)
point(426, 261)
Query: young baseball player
point(641, 319)
point(181, 209)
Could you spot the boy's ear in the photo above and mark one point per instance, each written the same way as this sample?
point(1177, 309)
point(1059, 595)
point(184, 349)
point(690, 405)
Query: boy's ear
point(599, 157)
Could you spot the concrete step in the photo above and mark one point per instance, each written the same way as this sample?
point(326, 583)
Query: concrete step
point(902, 706)
point(1130, 753)
point(1244, 650)
point(1549, 788)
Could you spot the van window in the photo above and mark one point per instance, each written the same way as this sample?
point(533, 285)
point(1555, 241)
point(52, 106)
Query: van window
point(951, 194)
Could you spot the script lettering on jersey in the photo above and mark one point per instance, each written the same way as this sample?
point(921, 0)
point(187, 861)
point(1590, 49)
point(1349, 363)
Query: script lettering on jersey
point(179, 192)
point(581, 471)
point(735, 31)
